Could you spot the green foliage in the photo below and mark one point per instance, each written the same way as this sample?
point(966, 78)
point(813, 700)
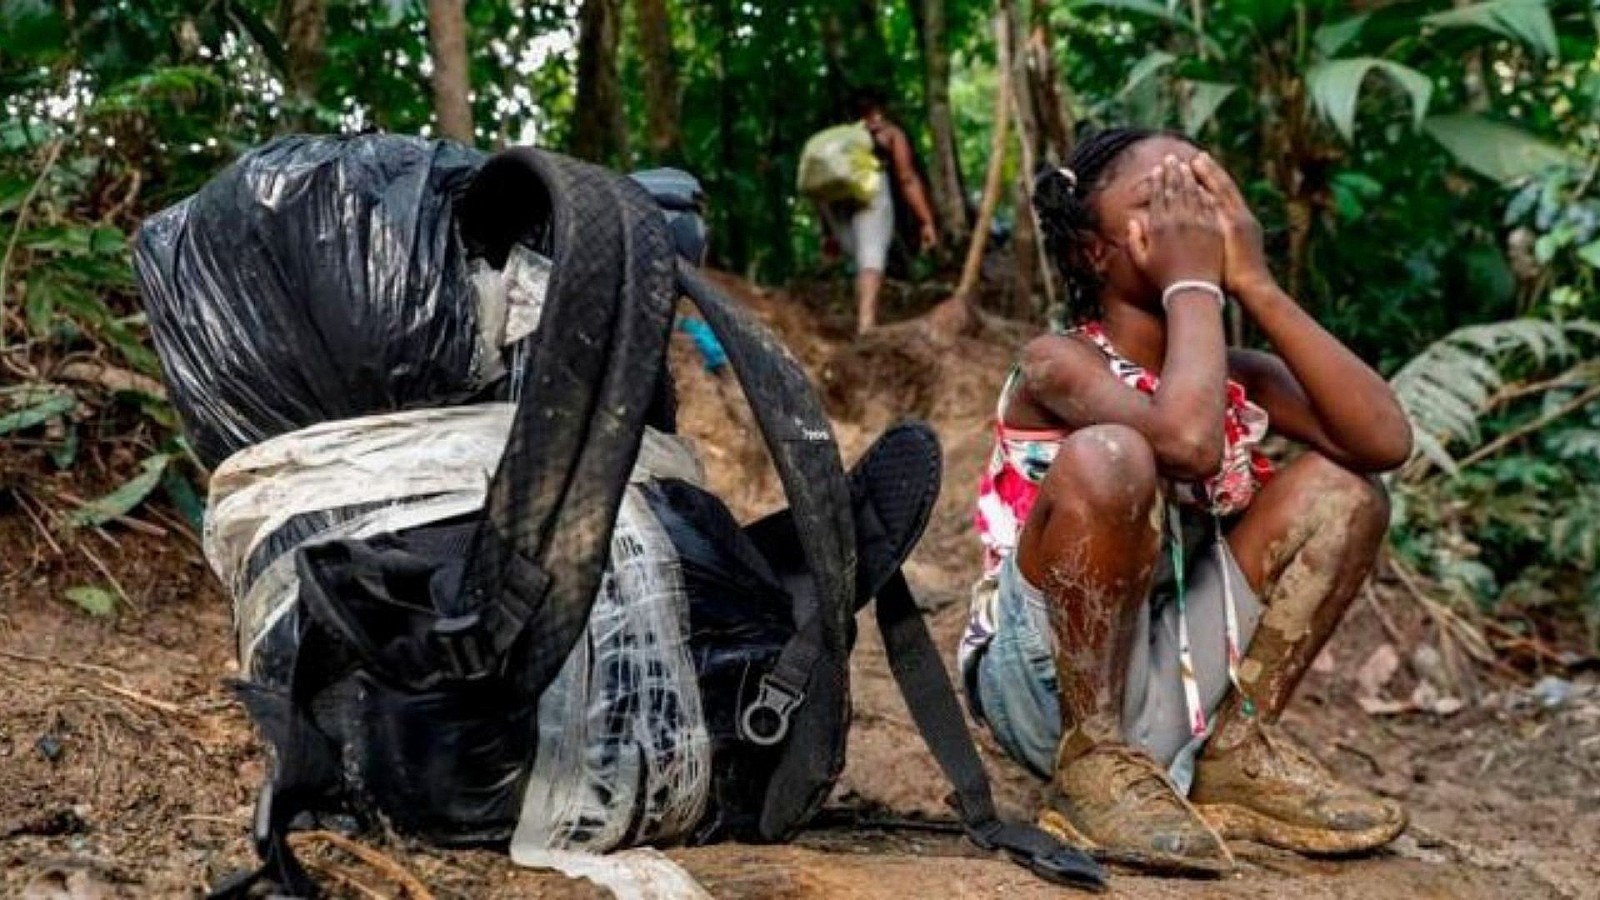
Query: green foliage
point(1494, 150)
point(1524, 21)
point(1509, 519)
point(37, 412)
point(1382, 234)
point(1335, 87)
point(1447, 387)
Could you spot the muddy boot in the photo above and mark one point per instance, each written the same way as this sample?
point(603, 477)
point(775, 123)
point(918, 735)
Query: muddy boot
point(1269, 790)
point(1118, 802)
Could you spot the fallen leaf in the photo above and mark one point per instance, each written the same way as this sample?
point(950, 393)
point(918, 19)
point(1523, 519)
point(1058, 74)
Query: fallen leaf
point(1375, 673)
point(1374, 706)
point(93, 600)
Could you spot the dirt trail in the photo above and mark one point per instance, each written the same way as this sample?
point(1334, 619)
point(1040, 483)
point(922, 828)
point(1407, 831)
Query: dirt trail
point(126, 770)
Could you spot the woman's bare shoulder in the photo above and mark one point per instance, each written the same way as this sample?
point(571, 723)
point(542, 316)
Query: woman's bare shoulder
point(1055, 361)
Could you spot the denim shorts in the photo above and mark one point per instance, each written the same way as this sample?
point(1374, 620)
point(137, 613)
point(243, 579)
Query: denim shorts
point(1017, 694)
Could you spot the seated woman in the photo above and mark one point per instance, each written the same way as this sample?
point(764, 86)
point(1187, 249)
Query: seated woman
point(1156, 590)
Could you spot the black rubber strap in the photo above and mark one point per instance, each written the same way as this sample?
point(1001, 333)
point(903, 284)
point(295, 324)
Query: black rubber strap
point(594, 363)
point(926, 687)
point(813, 667)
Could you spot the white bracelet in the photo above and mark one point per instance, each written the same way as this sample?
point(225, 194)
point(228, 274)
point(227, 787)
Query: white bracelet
point(1191, 285)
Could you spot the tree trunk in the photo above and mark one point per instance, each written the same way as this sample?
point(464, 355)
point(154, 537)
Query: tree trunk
point(735, 241)
point(1044, 83)
point(304, 29)
point(599, 133)
point(1024, 256)
point(956, 314)
point(949, 198)
point(1028, 131)
point(452, 84)
point(660, 82)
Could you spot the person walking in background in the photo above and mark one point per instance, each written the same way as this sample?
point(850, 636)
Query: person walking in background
point(863, 224)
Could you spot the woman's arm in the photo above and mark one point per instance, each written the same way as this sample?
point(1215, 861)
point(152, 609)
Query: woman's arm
point(905, 169)
point(1176, 239)
point(1323, 393)
point(1182, 420)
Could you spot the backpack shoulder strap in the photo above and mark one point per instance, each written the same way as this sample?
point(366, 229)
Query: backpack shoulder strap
point(893, 489)
point(926, 687)
point(806, 695)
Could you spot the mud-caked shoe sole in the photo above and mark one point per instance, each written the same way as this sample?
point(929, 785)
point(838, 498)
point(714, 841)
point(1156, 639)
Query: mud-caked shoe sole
point(1146, 860)
point(1240, 823)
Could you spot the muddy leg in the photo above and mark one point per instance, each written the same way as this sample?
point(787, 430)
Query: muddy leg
point(1307, 544)
point(1090, 545)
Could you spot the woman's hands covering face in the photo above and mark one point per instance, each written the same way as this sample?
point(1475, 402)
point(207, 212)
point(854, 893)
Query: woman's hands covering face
point(1244, 264)
point(1178, 235)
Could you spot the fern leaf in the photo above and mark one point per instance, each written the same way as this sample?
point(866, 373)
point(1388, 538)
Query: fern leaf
point(1448, 387)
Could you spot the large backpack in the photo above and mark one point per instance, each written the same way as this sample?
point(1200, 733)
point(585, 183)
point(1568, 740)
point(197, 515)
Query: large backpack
point(327, 279)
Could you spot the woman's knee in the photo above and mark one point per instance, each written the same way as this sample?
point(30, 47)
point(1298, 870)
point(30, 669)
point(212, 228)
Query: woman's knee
point(1356, 497)
point(1107, 466)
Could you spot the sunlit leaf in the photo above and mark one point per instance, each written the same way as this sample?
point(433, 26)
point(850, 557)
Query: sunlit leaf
point(95, 601)
point(1493, 150)
point(1335, 86)
point(38, 307)
point(57, 239)
point(122, 500)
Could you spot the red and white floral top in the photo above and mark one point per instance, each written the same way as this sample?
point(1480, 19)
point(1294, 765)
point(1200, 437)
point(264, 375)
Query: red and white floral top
point(1021, 458)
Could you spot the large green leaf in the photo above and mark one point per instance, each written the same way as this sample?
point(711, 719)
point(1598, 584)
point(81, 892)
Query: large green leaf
point(122, 500)
point(1200, 102)
point(1335, 87)
point(1525, 21)
point(1496, 151)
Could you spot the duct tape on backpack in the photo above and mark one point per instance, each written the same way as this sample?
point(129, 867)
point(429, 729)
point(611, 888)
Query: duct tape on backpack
point(623, 752)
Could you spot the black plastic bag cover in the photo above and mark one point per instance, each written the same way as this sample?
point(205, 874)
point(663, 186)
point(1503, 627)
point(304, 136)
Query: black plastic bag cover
point(316, 278)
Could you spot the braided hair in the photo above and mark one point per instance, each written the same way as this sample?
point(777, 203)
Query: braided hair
point(1063, 199)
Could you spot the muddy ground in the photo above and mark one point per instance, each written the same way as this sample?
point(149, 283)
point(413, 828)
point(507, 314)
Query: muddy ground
point(127, 771)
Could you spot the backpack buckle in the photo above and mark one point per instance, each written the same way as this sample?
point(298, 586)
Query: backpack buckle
point(765, 722)
point(462, 648)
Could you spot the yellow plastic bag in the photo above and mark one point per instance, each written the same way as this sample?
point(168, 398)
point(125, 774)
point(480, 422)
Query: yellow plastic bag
point(838, 164)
